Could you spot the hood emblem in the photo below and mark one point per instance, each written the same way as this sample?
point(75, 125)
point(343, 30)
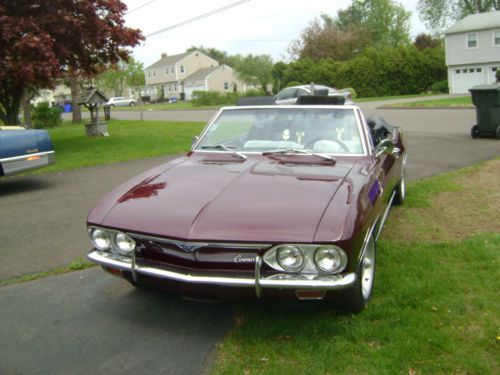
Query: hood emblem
point(240, 258)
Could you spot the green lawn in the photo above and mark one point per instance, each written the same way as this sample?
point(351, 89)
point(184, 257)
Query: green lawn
point(435, 308)
point(455, 102)
point(128, 140)
point(163, 107)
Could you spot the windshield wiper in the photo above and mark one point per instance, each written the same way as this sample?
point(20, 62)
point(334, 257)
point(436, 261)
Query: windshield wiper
point(225, 148)
point(292, 151)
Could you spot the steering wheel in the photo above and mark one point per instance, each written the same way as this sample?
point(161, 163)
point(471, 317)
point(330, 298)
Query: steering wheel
point(310, 144)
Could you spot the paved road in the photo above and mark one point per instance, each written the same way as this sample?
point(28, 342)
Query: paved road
point(91, 322)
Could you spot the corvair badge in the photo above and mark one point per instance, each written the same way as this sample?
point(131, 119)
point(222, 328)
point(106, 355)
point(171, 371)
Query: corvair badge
point(243, 259)
point(32, 151)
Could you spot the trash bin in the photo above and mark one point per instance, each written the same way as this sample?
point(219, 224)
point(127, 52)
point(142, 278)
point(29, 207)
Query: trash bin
point(486, 98)
point(67, 108)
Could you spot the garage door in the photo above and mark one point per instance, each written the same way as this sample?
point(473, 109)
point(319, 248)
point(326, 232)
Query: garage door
point(465, 78)
point(190, 89)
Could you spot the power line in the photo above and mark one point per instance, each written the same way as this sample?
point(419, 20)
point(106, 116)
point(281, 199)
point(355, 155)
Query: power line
point(205, 15)
point(140, 6)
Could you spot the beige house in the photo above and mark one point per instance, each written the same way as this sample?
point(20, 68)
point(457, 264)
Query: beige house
point(170, 72)
point(220, 78)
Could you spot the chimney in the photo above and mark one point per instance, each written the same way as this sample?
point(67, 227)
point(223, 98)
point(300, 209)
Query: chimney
point(163, 55)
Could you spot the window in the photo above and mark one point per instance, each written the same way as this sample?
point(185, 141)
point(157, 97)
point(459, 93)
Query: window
point(479, 70)
point(182, 69)
point(226, 86)
point(166, 71)
point(471, 70)
point(472, 40)
point(149, 74)
point(464, 70)
point(457, 71)
point(175, 86)
point(154, 73)
point(496, 38)
point(494, 69)
point(172, 70)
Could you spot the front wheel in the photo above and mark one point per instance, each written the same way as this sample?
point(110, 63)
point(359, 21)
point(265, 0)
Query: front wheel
point(357, 297)
point(131, 104)
point(474, 132)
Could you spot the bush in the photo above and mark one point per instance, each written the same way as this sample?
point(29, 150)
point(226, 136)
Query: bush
point(351, 90)
point(440, 86)
point(294, 83)
point(45, 116)
point(498, 75)
point(207, 98)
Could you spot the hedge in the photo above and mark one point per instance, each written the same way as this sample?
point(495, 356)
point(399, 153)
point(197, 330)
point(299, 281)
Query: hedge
point(375, 72)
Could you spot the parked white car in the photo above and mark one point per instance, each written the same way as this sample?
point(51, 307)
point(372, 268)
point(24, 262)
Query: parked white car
point(120, 101)
point(290, 94)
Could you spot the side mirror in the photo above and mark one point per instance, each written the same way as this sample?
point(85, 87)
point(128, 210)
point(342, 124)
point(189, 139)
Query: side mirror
point(384, 147)
point(194, 140)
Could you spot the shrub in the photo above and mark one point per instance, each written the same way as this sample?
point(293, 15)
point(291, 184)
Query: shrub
point(498, 75)
point(440, 86)
point(351, 90)
point(45, 116)
point(294, 83)
point(206, 98)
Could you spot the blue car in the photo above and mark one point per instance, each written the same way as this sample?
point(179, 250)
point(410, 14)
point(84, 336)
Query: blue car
point(22, 150)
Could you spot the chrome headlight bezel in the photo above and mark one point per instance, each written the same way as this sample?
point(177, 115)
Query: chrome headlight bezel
point(116, 241)
point(309, 264)
point(97, 235)
point(290, 258)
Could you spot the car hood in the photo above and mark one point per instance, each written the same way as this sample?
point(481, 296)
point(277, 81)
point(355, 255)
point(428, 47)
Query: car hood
point(257, 200)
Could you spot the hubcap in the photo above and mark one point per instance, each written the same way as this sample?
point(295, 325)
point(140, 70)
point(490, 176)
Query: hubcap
point(368, 270)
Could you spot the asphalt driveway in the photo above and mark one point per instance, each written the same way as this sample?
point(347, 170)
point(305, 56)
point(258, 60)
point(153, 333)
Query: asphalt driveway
point(91, 322)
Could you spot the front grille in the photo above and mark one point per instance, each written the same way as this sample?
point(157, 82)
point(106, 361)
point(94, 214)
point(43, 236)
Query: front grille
point(199, 255)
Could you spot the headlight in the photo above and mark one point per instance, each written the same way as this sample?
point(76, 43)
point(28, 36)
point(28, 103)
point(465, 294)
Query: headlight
point(101, 239)
point(124, 244)
point(290, 258)
point(330, 259)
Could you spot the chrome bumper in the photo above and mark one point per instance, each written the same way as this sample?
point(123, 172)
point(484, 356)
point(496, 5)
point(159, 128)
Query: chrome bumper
point(24, 163)
point(285, 281)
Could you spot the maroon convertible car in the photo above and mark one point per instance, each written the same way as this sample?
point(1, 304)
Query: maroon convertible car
point(273, 201)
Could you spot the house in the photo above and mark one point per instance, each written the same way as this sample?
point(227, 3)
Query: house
point(473, 51)
point(166, 76)
point(220, 78)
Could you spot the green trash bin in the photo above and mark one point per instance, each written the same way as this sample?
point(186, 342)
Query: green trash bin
point(486, 98)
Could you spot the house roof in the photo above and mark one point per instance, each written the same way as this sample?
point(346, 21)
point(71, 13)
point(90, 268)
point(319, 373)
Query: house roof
point(168, 60)
point(203, 73)
point(480, 21)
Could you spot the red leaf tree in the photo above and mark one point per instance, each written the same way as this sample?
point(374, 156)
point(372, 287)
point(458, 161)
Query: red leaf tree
point(41, 40)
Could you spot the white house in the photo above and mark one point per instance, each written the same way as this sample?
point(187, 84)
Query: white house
point(221, 78)
point(169, 72)
point(473, 51)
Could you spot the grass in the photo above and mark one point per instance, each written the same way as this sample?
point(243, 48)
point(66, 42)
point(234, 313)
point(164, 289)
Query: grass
point(163, 107)
point(128, 140)
point(77, 265)
point(189, 105)
point(455, 102)
point(435, 305)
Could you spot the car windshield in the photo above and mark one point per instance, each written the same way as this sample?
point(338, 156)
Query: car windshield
point(316, 129)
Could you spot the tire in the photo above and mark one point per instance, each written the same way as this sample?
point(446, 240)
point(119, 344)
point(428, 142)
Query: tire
point(474, 132)
point(497, 134)
point(400, 188)
point(357, 297)
point(131, 104)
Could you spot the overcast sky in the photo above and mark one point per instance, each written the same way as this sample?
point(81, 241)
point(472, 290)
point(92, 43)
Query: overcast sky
point(256, 26)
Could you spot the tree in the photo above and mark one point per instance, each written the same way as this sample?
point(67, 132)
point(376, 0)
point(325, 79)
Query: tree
point(387, 21)
point(43, 40)
point(439, 14)
point(423, 41)
point(254, 68)
point(122, 75)
point(323, 39)
point(221, 56)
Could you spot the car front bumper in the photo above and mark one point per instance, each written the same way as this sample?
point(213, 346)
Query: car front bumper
point(296, 282)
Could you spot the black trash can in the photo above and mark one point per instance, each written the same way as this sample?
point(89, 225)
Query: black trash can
point(486, 98)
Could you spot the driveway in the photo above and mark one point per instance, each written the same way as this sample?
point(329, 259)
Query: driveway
point(91, 322)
